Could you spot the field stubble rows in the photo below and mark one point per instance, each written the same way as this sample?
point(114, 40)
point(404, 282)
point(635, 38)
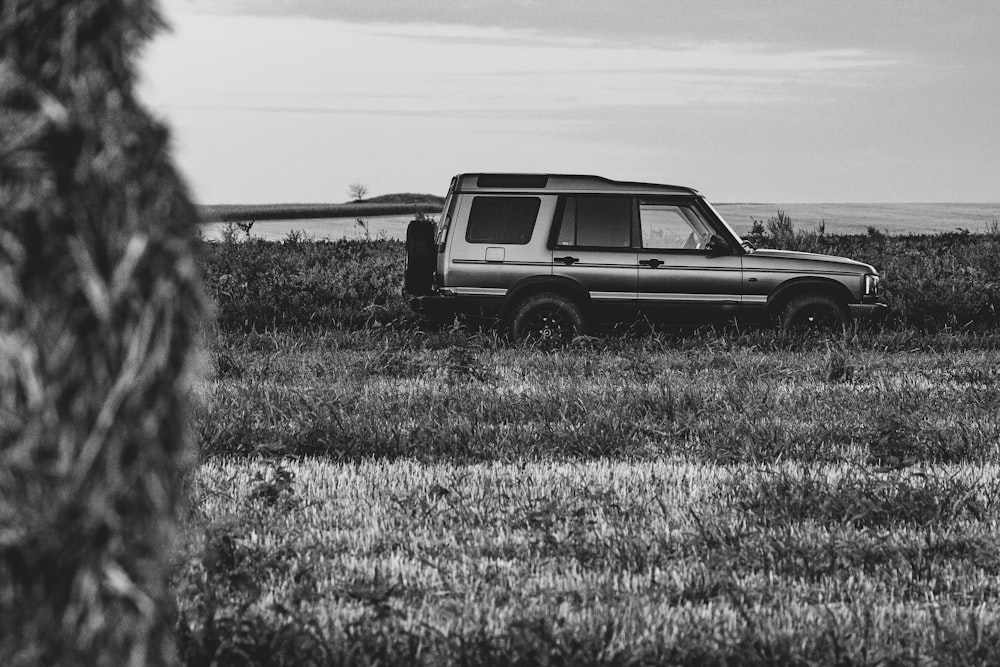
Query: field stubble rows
point(448, 396)
point(721, 497)
point(602, 561)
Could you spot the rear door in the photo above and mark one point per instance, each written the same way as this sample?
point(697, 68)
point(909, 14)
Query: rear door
point(681, 281)
point(592, 244)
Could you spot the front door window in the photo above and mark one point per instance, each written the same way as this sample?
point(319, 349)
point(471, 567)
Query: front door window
point(672, 227)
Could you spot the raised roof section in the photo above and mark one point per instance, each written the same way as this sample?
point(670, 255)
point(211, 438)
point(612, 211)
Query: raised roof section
point(506, 182)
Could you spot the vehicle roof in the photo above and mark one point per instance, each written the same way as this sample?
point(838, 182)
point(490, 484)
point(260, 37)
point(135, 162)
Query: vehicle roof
point(521, 182)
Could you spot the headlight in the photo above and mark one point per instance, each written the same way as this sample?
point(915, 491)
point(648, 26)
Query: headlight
point(873, 284)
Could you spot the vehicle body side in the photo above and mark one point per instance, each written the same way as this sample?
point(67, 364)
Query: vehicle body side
point(715, 276)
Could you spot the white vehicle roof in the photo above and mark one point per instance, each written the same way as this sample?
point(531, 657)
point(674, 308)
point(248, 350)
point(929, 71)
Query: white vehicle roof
point(569, 183)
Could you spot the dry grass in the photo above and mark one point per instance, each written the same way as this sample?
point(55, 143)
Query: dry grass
point(604, 562)
point(446, 396)
point(635, 500)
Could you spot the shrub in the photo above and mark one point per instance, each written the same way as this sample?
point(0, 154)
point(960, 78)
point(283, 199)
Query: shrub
point(933, 281)
point(860, 499)
point(295, 283)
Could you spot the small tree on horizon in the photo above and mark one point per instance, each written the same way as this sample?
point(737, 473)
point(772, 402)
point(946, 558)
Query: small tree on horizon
point(358, 191)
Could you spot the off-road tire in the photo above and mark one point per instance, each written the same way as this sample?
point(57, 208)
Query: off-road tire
point(547, 316)
point(813, 313)
point(421, 257)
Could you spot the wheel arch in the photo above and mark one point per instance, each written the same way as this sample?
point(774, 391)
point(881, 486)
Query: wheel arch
point(799, 286)
point(527, 287)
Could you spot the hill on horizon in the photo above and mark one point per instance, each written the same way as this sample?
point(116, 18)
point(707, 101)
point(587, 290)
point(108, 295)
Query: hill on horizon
point(392, 204)
point(403, 198)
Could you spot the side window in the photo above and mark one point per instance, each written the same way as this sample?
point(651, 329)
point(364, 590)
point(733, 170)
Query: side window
point(596, 222)
point(502, 220)
point(672, 227)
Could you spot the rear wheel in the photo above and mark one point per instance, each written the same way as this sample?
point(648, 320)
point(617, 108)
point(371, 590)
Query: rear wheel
point(813, 313)
point(547, 316)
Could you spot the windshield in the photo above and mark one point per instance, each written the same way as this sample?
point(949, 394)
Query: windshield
point(749, 247)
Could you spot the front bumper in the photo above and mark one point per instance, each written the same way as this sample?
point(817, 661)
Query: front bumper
point(872, 312)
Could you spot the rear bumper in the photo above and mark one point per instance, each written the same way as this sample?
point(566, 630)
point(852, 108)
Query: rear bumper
point(869, 313)
point(418, 303)
point(431, 304)
point(446, 307)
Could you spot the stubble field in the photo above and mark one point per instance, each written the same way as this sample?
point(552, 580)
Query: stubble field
point(381, 492)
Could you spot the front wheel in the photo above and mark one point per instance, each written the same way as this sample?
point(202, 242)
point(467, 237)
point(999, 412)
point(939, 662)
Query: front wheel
point(547, 316)
point(813, 313)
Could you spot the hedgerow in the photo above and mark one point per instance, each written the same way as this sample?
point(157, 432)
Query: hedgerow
point(933, 282)
point(261, 285)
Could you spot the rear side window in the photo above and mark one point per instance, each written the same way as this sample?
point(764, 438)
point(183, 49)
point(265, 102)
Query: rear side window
point(596, 222)
point(502, 220)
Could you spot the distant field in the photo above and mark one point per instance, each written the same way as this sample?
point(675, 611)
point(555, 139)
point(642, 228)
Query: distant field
point(857, 218)
point(839, 218)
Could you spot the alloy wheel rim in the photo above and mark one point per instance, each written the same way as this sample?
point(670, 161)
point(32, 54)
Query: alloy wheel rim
point(548, 325)
point(817, 319)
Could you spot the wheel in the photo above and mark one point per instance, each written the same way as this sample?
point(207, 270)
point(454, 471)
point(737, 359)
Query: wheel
point(421, 257)
point(547, 316)
point(813, 312)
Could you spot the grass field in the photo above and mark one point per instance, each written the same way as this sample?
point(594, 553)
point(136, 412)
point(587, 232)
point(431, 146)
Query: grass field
point(717, 398)
point(598, 562)
point(428, 496)
point(374, 490)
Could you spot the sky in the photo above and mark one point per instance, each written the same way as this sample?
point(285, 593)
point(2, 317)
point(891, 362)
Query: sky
point(280, 101)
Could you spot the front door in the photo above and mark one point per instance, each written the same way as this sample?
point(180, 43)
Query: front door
point(682, 281)
point(593, 245)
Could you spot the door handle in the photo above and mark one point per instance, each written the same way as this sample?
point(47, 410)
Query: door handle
point(566, 260)
point(651, 263)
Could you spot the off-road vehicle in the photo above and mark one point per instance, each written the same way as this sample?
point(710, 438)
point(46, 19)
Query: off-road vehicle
point(553, 254)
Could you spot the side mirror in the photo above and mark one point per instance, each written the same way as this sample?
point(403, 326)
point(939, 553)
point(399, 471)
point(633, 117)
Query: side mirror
point(718, 246)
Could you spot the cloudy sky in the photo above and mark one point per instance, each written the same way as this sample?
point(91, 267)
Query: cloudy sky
point(748, 101)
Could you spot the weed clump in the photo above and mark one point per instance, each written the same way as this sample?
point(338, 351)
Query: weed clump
point(249, 639)
point(99, 304)
point(859, 499)
point(837, 366)
point(389, 363)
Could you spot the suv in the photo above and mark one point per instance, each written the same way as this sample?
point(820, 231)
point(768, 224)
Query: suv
point(553, 254)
